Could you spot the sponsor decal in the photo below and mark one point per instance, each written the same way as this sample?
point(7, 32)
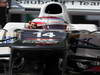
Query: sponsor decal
point(84, 3)
point(30, 2)
point(70, 4)
point(8, 41)
point(73, 2)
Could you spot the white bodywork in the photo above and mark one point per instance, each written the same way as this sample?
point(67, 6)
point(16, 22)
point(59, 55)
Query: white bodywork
point(63, 15)
point(13, 26)
point(87, 27)
point(10, 27)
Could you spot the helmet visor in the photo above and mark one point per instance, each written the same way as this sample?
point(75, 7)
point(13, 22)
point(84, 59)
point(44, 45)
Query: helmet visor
point(60, 27)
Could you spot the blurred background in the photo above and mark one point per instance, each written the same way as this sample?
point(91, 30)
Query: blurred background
point(3, 12)
point(11, 13)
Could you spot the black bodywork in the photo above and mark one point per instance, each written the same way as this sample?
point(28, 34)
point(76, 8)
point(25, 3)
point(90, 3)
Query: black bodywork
point(40, 52)
point(84, 57)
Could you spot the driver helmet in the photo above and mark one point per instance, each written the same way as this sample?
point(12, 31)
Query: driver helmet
point(50, 22)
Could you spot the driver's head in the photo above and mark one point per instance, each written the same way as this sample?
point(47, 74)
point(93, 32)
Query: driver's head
point(34, 25)
point(48, 22)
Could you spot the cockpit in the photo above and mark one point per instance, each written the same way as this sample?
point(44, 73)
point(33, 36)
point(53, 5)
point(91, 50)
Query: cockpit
point(56, 26)
point(53, 27)
point(49, 23)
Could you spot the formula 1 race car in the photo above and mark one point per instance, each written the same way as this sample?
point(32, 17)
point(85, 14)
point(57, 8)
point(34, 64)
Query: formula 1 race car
point(38, 51)
point(55, 49)
point(35, 51)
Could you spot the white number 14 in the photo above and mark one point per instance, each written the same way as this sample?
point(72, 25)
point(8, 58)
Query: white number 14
point(40, 34)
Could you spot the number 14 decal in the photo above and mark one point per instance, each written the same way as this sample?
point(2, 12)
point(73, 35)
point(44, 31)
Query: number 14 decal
point(40, 34)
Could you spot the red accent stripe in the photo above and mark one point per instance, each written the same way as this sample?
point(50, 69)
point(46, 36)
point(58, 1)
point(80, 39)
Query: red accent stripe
point(96, 69)
point(42, 44)
point(39, 22)
point(50, 17)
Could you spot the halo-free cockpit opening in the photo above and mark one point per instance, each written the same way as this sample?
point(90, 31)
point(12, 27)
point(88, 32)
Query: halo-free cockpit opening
point(53, 9)
point(56, 26)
